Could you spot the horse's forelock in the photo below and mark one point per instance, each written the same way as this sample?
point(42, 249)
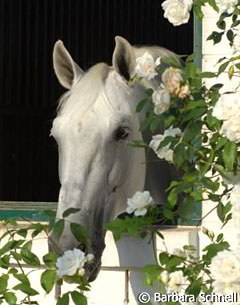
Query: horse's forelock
point(87, 87)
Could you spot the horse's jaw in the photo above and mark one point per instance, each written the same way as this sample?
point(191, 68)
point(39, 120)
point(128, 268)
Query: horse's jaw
point(68, 242)
point(90, 217)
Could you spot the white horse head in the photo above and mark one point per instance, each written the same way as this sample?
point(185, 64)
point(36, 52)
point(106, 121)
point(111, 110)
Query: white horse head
point(96, 119)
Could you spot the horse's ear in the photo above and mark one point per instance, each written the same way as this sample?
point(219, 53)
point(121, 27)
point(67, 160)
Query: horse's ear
point(67, 71)
point(123, 60)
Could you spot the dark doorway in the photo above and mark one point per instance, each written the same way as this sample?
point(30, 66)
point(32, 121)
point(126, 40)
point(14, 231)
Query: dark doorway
point(29, 90)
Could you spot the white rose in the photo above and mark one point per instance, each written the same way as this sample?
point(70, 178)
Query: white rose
point(221, 287)
point(164, 152)
point(231, 128)
point(227, 106)
point(184, 91)
point(179, 252)
point(146, 66)
point(164, 277)
point(161, 100)
point(172, 132)
point(172, 80)
point(226, 5)
point(89, 257)
point(70, 262)
point(225, 267)
point(177, 282)
point(177, 11)
point(139, 203)
point(81, 272)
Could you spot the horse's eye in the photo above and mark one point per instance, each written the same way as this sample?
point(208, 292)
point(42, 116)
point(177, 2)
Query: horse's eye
point(121, 133)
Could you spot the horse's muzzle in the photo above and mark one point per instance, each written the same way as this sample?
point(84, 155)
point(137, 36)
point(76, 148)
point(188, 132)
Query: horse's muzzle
point(92, 269)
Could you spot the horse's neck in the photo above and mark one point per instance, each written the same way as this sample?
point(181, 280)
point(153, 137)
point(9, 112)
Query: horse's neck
point(159, 174)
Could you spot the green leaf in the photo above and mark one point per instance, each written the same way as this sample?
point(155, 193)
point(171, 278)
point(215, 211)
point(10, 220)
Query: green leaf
point(215, 36)
point(25, 288)
point(198, 11)
point(63, 300)
point(191, 70)
point(207, 75)
point(78, 298)
point(149, 92)
point(130, 225)
point(220, 143)
point(180, 156)
point(220, 238)
point(163, 258)
point(12, 244)
point(22, 232)
point(229, 155)
point(155, 124)
point(194, 114)
point(137, 144)
point(194, 288)
point(221, 24)
point(231, 72)
point(27, 245)
point(5, 261)
point(223, 67)
point(212, 3)
point(50, 259)
point(141, 105)
point(208, 183)
point(29, 258)
point(235, 23)
point(193, 130)
point(10, 298)
point(70, 211)
point(212, 250)
point(58, 228)
point(173, 262)
point(230, 36)
point(37, 228)
point(22, 278)
point(172, 198)
point(187, 208)
point(223, 211)
point(80, 233)
point(12, 221)
point(210, 234)
point(168, 214)
point(151, 274)
point(48, 278)
point(3, 282)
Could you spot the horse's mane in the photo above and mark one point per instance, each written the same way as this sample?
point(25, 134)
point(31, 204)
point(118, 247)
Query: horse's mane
point(155, 51)
point(86, 89)
point(89, 86)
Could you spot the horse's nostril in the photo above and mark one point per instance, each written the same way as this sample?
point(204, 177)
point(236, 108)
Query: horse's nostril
point(82, 247)
point(114, 189)
point(92, 270)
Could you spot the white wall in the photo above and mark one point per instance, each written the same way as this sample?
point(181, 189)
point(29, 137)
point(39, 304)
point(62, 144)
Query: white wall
point(211, 54)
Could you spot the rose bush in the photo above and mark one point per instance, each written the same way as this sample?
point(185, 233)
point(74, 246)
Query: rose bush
point(205, 149)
